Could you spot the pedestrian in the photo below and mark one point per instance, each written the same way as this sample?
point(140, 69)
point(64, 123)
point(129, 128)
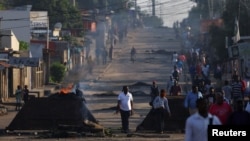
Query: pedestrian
point(196, 126)
point(90, 63)
point(174, 58)
point(104, 56)
point(237, 92)
point(239, 115)
point(190, 99)
point(79, 93)
point(161, 109)
point(19, 95)
point(111, 52)
point(227, 90)
point(125, 107)
point(176, 73)
point(170, 83)
point(211, 96)
point(221, 108)
point(247, 105)
point(175, 89)
point(25, 94)
point(132, 54)
point(154, 92)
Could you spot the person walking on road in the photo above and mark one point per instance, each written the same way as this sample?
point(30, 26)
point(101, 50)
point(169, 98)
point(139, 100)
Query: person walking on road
point(190, 100)
point(175, 89)
point(132, 54)
point(154, 92)
point(90, 63)
point(221, 108)
point(161, 108)
point(174, 58)
point(19, 95)
point(125, 107)
point(196, 126)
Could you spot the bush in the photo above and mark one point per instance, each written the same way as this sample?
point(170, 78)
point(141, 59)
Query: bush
point(57, 72)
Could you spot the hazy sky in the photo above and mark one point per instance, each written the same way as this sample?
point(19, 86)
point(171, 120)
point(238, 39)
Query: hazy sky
point(169, 10)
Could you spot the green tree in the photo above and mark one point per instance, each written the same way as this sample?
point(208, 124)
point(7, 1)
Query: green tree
point(57, 72)
point(23, 45)
point(152, 21)
point(58, 11)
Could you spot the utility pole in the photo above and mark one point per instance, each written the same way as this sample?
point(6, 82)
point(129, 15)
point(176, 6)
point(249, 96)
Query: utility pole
point(153, 7)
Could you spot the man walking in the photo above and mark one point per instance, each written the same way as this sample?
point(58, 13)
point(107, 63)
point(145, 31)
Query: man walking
point(125, 107)
point(190, 100)
point(161, 108)
point(196, 127)
point(154, 92)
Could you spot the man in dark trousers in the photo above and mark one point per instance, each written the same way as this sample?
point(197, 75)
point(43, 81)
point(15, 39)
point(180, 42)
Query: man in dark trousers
point(154, 92)
point(125, 107)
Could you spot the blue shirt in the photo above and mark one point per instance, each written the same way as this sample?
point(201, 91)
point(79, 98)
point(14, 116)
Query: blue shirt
point(190, 100)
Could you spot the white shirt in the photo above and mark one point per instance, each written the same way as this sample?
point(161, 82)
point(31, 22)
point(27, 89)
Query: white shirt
point(126, 100)
point(175, 57)
point(196, 127)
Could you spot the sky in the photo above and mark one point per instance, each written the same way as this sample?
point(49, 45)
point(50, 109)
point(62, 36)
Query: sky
point(169, 10)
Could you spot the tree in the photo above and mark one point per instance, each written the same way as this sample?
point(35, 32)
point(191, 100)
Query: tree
point(23, 45)
point(57, 72)
point(58, 11)
point(152, 21)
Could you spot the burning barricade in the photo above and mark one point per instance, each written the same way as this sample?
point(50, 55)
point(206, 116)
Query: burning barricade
point(64, 110)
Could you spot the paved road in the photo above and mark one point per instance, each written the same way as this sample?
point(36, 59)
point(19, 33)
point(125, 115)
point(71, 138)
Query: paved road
point(153, 62)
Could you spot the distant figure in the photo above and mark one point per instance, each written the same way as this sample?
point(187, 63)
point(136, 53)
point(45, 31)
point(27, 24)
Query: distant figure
point(211, 96)
point(80, 94)
point(111, 52)
point(132, 54)
point(190, 100)
point(174, 58)
point(170, 83)
point(227, 90)
point(125, 107)
point(104, 56)
point(175, 89)
point(247, 105)
point(154, 92)
point(196, 127)
point(176, 73)
point(19, 95)
point(239, 116)
point(237, 92)
point(247, 73)
point(25, 94)
point(161, 108)
point(90, 63)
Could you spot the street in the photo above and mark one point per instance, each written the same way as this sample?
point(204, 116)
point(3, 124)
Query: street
point(153, 62)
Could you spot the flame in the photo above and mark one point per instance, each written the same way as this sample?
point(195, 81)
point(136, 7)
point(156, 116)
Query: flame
point(67, 89)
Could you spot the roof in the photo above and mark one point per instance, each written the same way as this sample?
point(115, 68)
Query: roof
point(4, 64)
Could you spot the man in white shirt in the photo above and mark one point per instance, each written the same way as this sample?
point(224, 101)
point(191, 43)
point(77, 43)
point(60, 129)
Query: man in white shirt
point(196, 128)
point(174, 58)
point(125, 107)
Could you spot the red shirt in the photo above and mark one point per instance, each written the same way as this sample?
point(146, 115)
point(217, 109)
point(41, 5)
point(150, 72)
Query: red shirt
point(221, 111)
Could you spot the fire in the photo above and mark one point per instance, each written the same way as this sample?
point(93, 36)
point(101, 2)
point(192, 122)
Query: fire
point(66, 90)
